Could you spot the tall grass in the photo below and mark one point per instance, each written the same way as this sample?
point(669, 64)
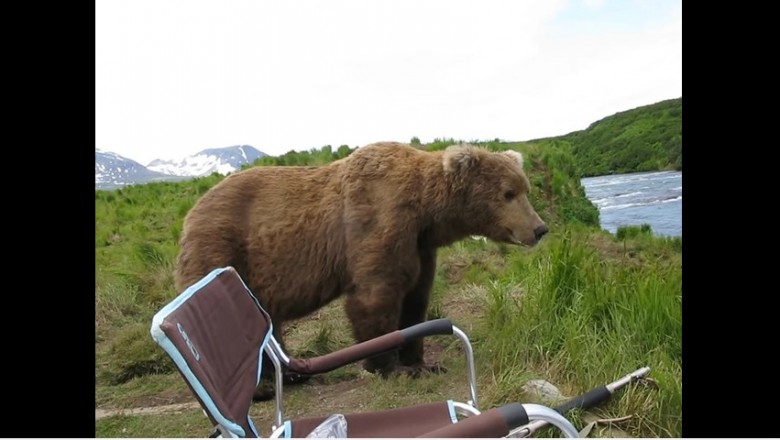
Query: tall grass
point(136, 233)
point(569, 313)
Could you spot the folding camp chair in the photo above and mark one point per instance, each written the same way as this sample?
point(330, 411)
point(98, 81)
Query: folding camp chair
point(216, 332)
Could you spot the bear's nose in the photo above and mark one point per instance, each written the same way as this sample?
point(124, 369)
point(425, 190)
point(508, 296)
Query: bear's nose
point(540, 231)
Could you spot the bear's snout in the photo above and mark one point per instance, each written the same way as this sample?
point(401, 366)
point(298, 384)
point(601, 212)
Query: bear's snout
point(540, 231)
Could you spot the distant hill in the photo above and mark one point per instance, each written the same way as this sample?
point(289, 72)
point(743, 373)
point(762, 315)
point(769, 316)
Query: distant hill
point(647, 138)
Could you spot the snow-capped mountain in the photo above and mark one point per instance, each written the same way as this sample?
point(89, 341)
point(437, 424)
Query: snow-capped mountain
point(114, 171)
point(220, 160)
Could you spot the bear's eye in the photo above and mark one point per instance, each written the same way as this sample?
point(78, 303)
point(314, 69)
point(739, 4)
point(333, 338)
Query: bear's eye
point(509, 195)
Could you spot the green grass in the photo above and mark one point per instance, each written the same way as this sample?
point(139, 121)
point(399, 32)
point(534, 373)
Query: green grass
point(184, 425)
point(570, 313)
point(147, 390)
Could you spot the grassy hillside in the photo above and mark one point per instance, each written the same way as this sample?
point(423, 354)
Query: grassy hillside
point(647, 138)
point(580, 310)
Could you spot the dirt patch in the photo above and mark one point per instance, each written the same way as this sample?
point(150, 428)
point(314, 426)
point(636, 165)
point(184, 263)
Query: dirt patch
point(323, 397)
point(455, 271)
point(432, 353)
point(164, 398)
point(335, 397)
point(142, 411)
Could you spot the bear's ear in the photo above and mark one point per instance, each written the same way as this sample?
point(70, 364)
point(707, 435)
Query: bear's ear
point(459, 158)
point(516, 155)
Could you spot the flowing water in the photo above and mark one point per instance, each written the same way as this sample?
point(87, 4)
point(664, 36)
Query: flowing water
point(653, 198)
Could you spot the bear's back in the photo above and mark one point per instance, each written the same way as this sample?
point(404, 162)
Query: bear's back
point(266, 210)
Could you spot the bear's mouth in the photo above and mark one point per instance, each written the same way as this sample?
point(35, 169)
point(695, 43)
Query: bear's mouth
point(514, 240)
point(522, 243)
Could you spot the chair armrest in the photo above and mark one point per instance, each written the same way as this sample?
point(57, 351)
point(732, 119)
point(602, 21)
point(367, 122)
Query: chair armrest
point(372, 347)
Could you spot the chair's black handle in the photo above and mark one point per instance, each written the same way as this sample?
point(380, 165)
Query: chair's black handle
point(588, 400)
point(514, 414)
point(441, 326)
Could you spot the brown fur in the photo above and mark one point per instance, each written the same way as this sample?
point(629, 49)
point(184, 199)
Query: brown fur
point(366, 226)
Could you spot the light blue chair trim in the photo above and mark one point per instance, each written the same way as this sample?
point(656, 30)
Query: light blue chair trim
point(451, 407)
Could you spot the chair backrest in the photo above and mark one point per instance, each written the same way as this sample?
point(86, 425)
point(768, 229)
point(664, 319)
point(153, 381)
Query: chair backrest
point(215, 332)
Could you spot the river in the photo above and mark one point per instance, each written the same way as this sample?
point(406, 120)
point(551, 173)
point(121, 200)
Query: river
point(653, 198)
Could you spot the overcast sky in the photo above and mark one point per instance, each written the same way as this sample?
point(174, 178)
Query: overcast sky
point(174, 77)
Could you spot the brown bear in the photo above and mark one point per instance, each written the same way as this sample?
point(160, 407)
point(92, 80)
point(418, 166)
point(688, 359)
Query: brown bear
point(366, 226)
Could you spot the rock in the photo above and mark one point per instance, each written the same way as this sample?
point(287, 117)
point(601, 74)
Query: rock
point(543, 390)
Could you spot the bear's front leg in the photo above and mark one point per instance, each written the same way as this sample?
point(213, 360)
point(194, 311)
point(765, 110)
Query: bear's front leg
point(374, 311)
point(392, 298)
point(415, 308)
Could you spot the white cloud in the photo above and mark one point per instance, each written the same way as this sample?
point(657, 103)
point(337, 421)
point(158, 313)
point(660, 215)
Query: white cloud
point(174, 77)
point(594, 4)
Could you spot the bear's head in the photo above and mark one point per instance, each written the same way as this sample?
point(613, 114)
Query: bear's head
point(493, 193)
